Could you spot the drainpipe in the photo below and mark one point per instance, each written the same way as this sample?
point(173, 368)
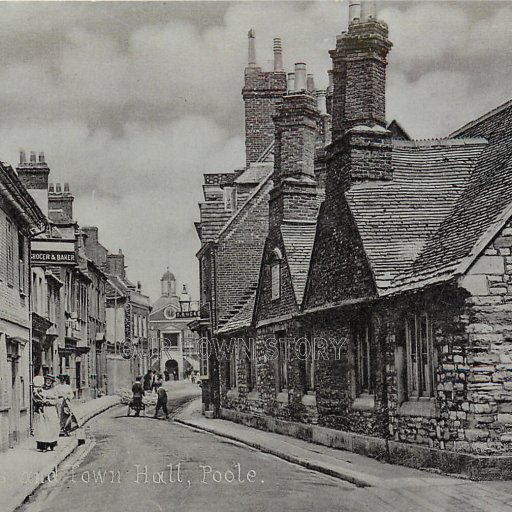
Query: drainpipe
point(32, 235)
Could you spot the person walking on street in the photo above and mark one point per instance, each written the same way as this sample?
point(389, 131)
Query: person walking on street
point(153, 382)
point(161, 402)
point(64, 393)
point(148, 380)
point(138, 393)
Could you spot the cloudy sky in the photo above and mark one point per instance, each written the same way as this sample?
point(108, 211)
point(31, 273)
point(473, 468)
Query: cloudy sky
point(133, 102)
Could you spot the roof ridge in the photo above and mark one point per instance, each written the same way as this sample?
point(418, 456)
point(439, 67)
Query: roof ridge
point(294, 222)
point(443, 141)
point(482, 118)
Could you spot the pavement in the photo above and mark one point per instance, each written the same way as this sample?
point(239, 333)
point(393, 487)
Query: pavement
point(23, 468)
point(351, 467)
point(379, 486)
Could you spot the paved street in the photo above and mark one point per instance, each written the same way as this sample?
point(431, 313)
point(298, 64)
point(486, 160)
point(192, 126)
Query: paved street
point(126, 466)
point(120, 444)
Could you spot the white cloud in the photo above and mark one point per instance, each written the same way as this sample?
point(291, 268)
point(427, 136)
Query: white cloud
point(132, 107)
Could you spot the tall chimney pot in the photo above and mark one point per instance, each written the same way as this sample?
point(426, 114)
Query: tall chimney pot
point(311, 83)
point(252, 49)
point(368, 10)
point(290, 81)
point(278, 54)
point(321, 101)
point(23, 156)
point(33, 157)
point(66, 187)
point(300, 77)
point(41, 157)
point(58, 188)
point(354, 11)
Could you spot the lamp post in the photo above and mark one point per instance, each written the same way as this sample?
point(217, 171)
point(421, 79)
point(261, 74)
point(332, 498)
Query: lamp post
point(184, 300)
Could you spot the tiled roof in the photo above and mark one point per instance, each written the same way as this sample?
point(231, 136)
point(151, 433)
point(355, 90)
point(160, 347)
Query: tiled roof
point(298, 239)
point(255, 193)
point(397, 219)
point(481, 208)
point(242, 319)
point(213, 217)
point(255, 173)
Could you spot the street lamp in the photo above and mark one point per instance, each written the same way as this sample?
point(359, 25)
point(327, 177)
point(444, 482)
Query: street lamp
point(184, 300)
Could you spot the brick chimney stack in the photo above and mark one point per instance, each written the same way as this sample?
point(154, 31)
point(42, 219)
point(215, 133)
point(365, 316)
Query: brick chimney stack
point(60, 202)
point(322, 141)
point(359, 72)
point(361, 148)
point(34, 176)
point(262, 93)
point(115, 264)
point(294, 194)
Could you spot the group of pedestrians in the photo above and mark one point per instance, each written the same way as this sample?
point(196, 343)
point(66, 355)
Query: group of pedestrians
point(53, 414)
point(152, 383)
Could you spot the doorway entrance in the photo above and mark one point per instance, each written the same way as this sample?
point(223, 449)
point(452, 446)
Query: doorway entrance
point(171, 366)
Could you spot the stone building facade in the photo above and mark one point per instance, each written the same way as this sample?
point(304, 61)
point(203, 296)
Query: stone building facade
point(398, 345)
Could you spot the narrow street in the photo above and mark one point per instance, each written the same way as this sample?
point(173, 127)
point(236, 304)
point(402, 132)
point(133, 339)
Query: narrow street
point(124, 445)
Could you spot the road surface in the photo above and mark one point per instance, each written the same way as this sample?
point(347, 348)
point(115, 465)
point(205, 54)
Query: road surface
point(146, 465)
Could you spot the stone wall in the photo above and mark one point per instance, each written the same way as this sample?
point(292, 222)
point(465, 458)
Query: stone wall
point(488, 406)
point(339, 268)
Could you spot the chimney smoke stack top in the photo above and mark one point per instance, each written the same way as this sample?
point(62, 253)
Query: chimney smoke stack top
point(311, 83)
point(41, 158)
point(278, 54)
point(252, 49)
point(58, 188)
point(354, 11)
point(321, 101)
point(290, 81)
point(33, 157)
point(300, 77)
point(23, 156)
point(66, 187)
point(368, 10)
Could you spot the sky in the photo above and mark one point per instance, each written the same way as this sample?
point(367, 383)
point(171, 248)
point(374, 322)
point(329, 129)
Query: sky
point(132, 102)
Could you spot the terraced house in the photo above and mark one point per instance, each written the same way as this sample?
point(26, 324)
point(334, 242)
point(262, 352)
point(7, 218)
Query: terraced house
point(20, 219)
point(382, 317)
